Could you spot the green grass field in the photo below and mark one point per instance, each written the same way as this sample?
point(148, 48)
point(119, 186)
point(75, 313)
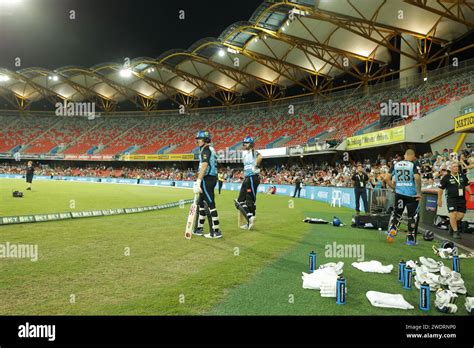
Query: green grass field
point(245, 273)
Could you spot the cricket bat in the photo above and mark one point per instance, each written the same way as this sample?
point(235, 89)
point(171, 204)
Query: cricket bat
point(192, 218)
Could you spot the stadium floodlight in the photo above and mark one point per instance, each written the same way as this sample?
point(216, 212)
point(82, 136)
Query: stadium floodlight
point(231, 50)
point(425, 79)
point(126, 73)
point(4, 78)
point(221, 53)
point(55, 78)
point(283, 29)
point(299, 12)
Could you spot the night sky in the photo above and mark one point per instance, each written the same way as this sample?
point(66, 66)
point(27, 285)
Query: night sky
point(42, 35)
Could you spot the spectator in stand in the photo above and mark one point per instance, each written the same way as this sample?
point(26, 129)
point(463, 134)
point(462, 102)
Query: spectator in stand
point(438, 164)
point(463, 162)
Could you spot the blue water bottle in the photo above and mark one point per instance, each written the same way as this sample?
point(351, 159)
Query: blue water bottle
point(401, 270)
point(456, 264)
point(341, 290)
point(424, 297)
point(312, 261)
point(407, 278)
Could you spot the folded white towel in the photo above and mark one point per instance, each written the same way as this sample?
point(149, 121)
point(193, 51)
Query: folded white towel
point(337, 266)
point(315, 279)
point(372, 266)
point(384, 300)
point(328, 288)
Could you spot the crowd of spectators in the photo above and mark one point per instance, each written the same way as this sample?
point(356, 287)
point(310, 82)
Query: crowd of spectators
point(433, 167)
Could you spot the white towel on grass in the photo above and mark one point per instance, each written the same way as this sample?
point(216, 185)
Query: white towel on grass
point(319, 276)
point(372, 266)
point(384, 300)
point(328, 288)
point(337, 266)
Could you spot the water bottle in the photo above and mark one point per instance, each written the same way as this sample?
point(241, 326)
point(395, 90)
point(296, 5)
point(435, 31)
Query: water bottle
point(407, 279)
point(456, 264)
point(312, 261)
point(401, 270)
point(424, 297)
point(341, 290)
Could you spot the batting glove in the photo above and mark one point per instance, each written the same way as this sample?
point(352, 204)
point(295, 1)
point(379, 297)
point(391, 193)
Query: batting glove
point(197, 187)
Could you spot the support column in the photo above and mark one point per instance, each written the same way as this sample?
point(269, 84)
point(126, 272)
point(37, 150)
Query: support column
point(408, 44)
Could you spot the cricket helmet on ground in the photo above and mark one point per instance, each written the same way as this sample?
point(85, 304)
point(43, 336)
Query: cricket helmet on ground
point(428, 235)
point(445, 244)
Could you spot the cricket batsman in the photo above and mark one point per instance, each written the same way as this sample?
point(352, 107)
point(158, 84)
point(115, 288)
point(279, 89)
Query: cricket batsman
point(205, 184)
point(407, 185)
point(248, 191)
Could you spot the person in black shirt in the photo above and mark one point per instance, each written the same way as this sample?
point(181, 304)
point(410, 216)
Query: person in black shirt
point(298, 185)
point(360, 180)
point(30, 170)
point(455, 185)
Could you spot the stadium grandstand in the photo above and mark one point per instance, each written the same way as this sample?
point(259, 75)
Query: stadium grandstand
point(333, 119)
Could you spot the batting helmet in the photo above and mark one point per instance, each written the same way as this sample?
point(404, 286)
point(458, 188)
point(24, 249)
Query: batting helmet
point(445, 244)
point(205, 135)
point(248, 140)
point(428, 235)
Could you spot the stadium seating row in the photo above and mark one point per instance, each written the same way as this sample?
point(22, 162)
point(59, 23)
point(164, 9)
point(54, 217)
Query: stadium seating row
point(173, 133)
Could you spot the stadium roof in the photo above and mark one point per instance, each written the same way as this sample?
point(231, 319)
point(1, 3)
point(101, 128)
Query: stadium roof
point(285, 43)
